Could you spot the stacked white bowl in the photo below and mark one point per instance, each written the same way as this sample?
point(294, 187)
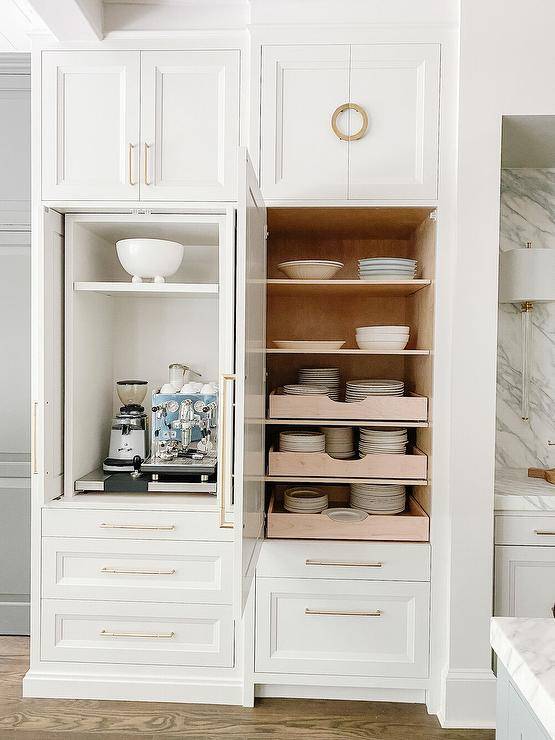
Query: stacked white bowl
point(378, 498)
point(340, 442)
point(378, 441)
point(387, 268)
point(300, 500)
point(306, 390)
point(358, 390)
point(329, 377)
point(382, 337)
point(302, 441)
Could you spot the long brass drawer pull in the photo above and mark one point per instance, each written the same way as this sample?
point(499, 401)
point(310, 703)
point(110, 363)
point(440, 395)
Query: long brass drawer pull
point(147, 635)
point(334, 613)
point(343, 564)
point(147, 527)
point(545, 531)
point(130, 572)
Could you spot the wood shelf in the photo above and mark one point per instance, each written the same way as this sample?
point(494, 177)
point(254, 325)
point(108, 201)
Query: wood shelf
point(404, 352)
point(179, 290)
point(343, 423)
point(337, 480)
point(393, 288)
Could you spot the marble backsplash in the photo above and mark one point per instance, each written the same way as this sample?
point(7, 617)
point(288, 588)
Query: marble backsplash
point(527, 215)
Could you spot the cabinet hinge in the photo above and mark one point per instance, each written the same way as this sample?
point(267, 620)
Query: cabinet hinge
point(266, 233)
point(141, 212)
point(433, 216)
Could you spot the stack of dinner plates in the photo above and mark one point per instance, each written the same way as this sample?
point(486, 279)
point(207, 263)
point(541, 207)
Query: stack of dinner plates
point(382, 441)
point(300, 500)
point(340, 442)
point(387, 268)
point(329, 377)
point(358, 390)
point(302, 441)
point(305, 390)
point(378, 498)
point(382, 337)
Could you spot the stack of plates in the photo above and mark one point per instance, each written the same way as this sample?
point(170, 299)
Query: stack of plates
point(304, 345)
point(305, 500)
point(382, 337)
point(310, 269)
point(358, 390)
point(382, 441)
point(306, 390)
point(340, 442)
point(378, 499)
point(322, 376)
point(386, 268)
point(302, 441)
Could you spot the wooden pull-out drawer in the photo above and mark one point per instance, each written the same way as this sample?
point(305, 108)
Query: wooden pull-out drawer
point(343, 628)
point(380, 561)
point(131, 570)
point(138, 633)
point(522, 529)
point(138, 525)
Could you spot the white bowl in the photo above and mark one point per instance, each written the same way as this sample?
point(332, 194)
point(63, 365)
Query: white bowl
point(385, 329)
point(310, 269)
point(149, 258)
point(382, 345)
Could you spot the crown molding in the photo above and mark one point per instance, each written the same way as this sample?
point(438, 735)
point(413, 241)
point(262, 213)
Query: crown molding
point(16, 63)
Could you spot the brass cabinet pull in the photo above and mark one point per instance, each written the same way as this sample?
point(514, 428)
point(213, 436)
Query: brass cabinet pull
point(146, 163)
point(343, 564)
point(130, 164)
point(137, 572)
point(334, 613)
point(544, 531)
point(225, 378)
point(34, 467)
point(349, 137)
point(147, 635)
point(148, 527)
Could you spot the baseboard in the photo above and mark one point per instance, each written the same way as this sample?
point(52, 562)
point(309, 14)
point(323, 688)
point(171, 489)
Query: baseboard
point(468, 699)
point(131, 688)
point(282, 691)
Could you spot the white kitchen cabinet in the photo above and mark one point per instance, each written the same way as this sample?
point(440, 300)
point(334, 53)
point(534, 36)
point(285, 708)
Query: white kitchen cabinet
point(189, 124)
point(90, 113)
point(391, 155)
point(524, 581)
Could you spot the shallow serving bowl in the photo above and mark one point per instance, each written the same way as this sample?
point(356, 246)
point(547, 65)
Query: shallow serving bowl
point(310, 269)
point(149, 258)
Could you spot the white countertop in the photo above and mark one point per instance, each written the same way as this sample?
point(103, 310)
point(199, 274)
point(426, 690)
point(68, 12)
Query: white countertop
point(526, 647)
point(515, 491)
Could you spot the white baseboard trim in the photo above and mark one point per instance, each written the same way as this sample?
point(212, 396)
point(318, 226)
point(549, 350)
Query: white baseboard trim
point(40, 685)
point(282, 691)
point(468, 699)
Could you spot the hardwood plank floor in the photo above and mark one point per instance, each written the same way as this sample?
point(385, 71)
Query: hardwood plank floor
point(287, 719)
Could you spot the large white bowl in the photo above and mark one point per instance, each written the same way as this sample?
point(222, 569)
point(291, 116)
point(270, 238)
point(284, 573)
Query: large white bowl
point(384, 329)
point(149, 258)
point(310, 269)
point(382, 345)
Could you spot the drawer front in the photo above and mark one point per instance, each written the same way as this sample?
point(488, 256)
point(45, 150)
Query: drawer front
point(112, 570)
point(524, 530)
point(137, 525)
point(344, 628)
point(141, 634)
point(381, 561)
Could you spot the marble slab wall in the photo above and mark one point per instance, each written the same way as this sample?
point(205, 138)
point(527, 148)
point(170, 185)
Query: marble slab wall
point(527, 215)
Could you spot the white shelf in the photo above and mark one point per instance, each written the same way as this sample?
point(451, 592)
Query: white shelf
point(406, 352)
point(180, 290)
point(282, 287)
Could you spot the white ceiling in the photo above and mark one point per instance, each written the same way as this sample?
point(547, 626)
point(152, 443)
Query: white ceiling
point(17, 20)
point(528, 141)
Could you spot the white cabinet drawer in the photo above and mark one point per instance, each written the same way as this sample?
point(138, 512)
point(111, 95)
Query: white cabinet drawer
point(137, 525)
point(382, 561)
point(519, 529)
point(344, 628)
point(141, 634)
point(113, 570)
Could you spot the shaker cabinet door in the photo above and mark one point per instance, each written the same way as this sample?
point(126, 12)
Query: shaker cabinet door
point(90, 113)
point(301, 156)
point(397, 85)
point(189, 125)
point(524, 581)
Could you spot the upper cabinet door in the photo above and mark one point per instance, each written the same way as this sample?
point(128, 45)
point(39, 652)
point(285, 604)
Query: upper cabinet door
point(189, 125)
point(301, 156)
point(398, 88)
point(90, 113)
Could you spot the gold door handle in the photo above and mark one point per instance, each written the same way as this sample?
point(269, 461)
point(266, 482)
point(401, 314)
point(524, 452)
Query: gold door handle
point(130, 164)
point(131, 572)
point(146, 163)
point(343, 564)
point(226, 377)
point(34, 467)
point(146, 635)
point(334, 613)
point(545, 532)
point(349, 137)
point(147, 527)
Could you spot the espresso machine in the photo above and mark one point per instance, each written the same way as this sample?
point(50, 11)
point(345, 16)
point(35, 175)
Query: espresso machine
point(129, 431)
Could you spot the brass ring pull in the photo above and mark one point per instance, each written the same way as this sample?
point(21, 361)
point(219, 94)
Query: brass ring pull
point(349, 137)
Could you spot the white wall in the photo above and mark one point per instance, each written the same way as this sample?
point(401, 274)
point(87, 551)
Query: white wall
point(507, 63)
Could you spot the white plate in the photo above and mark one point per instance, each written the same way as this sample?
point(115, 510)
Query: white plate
point(345, 515)
point(304, 345)
point(310, 269)
point(387, 260)
point(382, 345)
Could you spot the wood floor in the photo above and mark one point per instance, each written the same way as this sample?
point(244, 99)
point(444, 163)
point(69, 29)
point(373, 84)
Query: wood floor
point(45, 719)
